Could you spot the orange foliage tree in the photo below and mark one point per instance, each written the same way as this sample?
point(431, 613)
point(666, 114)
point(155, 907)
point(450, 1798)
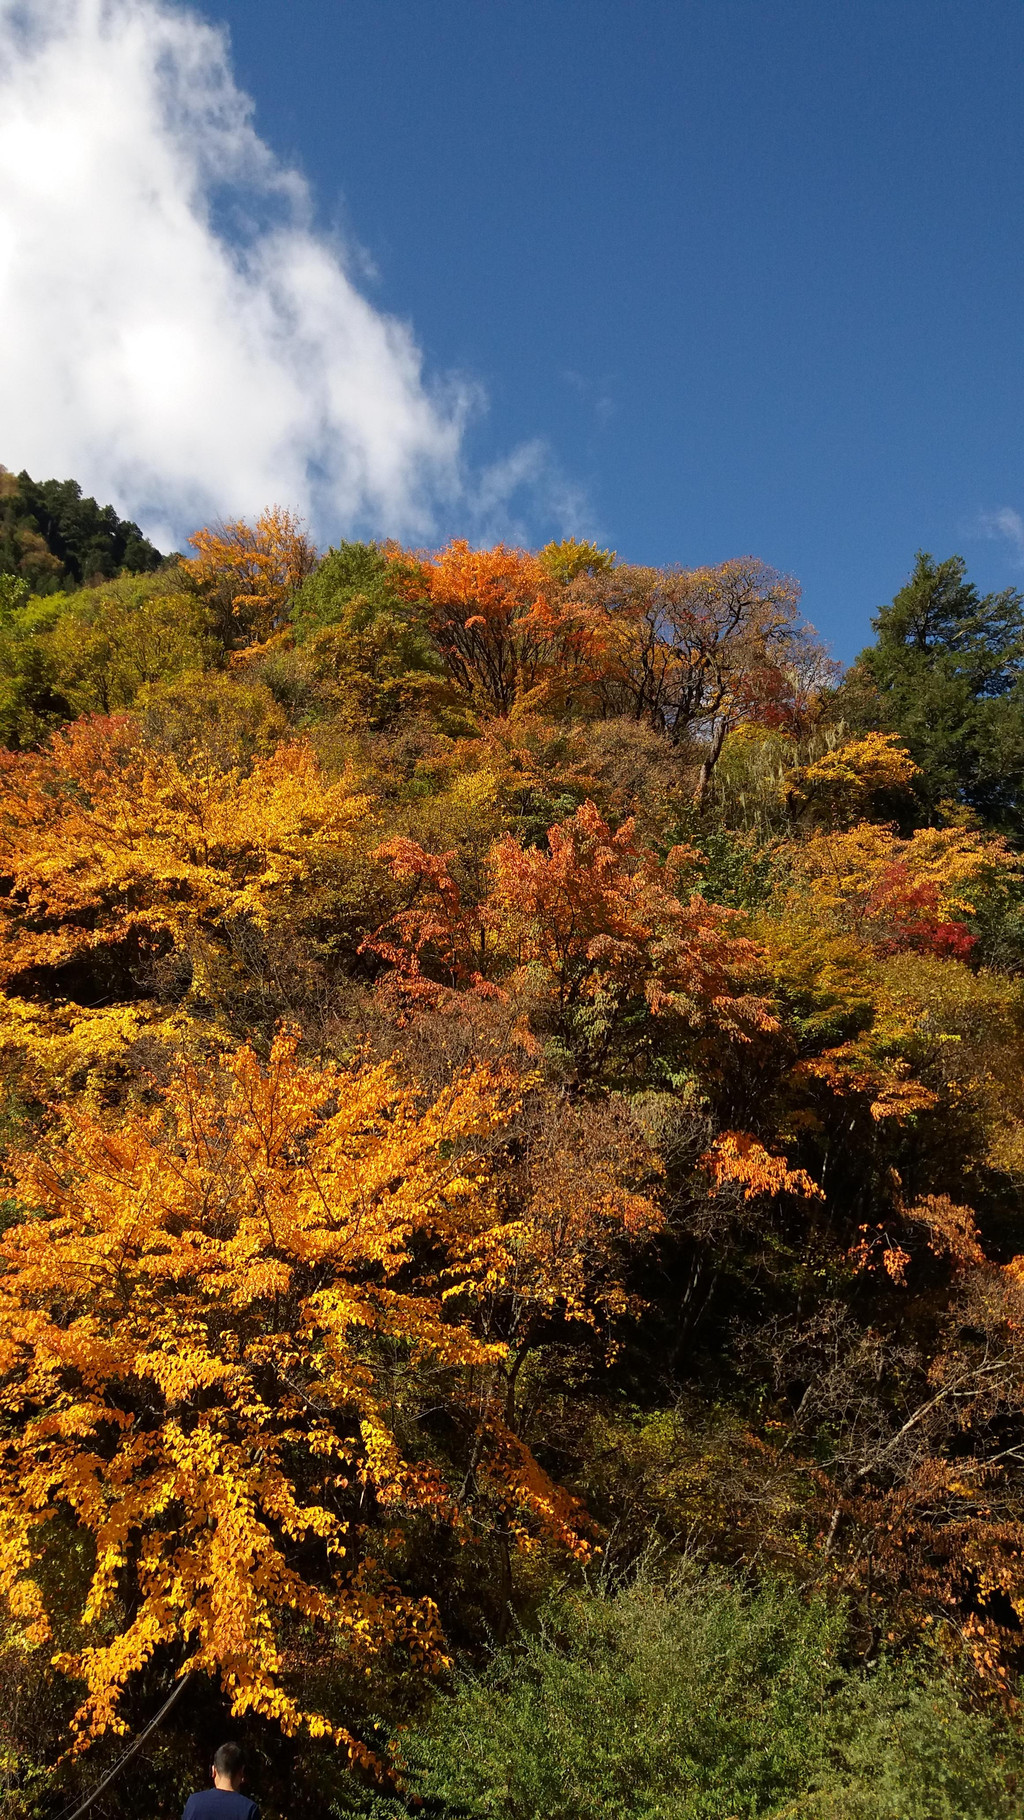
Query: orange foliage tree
point(697, 651)
point(591, 933)
point(250, 573)
point(245, 1342)
point(502, 623)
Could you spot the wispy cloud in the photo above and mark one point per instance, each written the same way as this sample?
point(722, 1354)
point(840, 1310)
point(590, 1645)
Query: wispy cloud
point(177, 333)
point(598, 397)
point(508, 492)
point(1007, 525)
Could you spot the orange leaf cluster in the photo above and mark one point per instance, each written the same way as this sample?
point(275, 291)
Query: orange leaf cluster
point(195, 1323)
point(509, 635)
point(252, 572)
point(737, 1157)
point(590, 929)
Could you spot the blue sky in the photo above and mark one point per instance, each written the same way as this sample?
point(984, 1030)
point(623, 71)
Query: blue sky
point(753, 270)
point(699, 277)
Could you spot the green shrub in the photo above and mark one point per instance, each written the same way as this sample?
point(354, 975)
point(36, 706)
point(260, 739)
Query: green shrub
point(94, 651)
point(700, 1701)
point(366, 651)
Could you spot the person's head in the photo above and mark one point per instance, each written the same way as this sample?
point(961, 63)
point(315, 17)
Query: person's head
point(228, 1766)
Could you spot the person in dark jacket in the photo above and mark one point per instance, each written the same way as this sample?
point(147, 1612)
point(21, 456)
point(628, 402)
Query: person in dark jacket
point(224, 1801)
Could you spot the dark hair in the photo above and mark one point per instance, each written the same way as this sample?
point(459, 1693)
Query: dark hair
point(229, 1761)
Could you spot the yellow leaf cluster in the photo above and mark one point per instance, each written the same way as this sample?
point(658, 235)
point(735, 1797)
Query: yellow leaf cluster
point(839, 785)
point(841, 871)
point(116, 855)
point(252, 571)
point(201, 1322)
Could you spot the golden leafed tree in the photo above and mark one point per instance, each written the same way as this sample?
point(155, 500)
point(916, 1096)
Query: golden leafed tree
point(117, 853)
point(251, 573)
point(245, 1350)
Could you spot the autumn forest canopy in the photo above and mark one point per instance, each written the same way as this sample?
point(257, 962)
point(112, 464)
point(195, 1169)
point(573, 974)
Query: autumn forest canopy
point(511, 1251)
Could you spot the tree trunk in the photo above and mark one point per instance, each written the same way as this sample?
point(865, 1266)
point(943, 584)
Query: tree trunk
point(711, 758)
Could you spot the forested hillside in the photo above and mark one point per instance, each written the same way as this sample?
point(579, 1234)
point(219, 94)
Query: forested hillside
point(51, 538)
point(512, 1265)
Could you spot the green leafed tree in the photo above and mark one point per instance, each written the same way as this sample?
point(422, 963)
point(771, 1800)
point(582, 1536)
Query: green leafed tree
point(700, 1702)
point(93, 651)
point(948, 668)
point(54, 537)
point(366, 643)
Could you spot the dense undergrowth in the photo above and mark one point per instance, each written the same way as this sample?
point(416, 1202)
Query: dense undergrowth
point(689, 1701)
point(514, 1134)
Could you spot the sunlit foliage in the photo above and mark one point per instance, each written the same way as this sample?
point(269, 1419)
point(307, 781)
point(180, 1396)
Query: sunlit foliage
point(251, 573)
point(508, 1064)
point(196, 1323)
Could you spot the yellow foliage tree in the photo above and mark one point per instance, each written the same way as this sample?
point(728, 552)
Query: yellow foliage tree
point(236, 1338)
point(251, 573)
point(897, 894)
point(843, 783)
point(116, 853)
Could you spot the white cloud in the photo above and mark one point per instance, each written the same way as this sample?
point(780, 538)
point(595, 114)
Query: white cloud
point(180, 371)
point(1007, 524)
point(530, 475)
